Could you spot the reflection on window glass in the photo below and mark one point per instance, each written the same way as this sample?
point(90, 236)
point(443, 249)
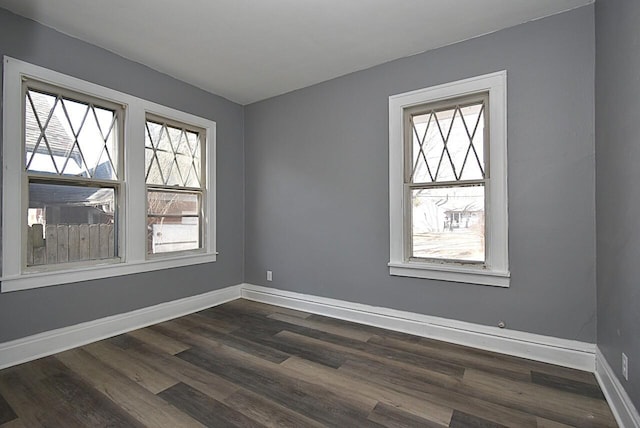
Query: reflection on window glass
point(448, 223)
point(173, 221)
point(68, 223)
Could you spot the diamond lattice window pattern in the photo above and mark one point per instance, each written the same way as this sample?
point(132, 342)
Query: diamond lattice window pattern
point(448, 145)
point(172, 156)
point(67, 137)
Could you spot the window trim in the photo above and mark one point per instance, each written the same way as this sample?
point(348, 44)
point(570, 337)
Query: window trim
point(132, 212)
point(495, 270)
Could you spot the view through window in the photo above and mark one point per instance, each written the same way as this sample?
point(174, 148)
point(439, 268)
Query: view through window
point(445, 175)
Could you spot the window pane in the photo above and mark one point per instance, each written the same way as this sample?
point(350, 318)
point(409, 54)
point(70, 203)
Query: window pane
point(68, 223)
point(448, 223)
point(447, 144)
point(426, 148)
point(173, 156)
point(173, 221)
point(70, 137)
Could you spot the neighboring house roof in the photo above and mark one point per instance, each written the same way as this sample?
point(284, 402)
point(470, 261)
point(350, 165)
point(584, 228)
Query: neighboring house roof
point(41, 195)
point(59, 139)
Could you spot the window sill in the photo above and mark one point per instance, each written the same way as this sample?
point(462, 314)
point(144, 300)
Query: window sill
point(469, 275)
point(43, 279)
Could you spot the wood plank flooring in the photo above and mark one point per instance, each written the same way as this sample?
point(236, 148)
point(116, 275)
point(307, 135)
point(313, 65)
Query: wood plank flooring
point(248, 364)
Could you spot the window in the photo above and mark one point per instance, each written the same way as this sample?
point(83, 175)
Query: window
point(447, 182)
point(75, 198)
point(173, 165)
point(73, 175)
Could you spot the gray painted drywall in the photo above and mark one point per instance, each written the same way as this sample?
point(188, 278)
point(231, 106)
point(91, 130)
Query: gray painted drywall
point(28, 312)
point(316, 165)
point(617, 186)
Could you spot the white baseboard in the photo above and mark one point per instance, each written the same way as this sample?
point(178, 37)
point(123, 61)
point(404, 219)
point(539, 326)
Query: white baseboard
point(50, 342)
point(553, 350)
point(563, 352)
point(623, 409)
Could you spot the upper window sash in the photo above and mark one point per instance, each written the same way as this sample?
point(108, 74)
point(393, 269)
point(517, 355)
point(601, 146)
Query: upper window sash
point(188, 145)
point(58, 124)
point(469, 117)
point(133, 188)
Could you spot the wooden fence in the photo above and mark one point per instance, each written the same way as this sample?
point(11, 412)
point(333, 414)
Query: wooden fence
point(63, 243)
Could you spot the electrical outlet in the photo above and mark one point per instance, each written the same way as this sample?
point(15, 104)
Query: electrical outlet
point(625, 366)
point(269, 275)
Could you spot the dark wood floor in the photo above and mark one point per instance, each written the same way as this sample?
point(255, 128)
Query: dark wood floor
point(250, 364)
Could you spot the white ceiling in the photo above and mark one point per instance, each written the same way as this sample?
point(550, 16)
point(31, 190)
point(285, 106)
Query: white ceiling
point(249, 50)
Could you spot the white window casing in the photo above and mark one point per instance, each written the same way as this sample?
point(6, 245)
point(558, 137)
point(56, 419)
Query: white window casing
point(495, 270)
point(132, 207)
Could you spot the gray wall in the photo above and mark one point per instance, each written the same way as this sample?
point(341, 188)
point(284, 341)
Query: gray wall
point(617, 188)
point(317, 182)
point(28, 312)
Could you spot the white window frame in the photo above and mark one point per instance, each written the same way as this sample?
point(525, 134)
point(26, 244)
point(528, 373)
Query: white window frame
point(133, 254)
point(495, 270)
